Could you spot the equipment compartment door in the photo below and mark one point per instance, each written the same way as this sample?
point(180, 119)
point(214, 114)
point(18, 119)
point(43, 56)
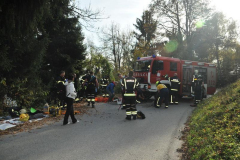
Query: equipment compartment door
point(187, 77)
point(211, 80)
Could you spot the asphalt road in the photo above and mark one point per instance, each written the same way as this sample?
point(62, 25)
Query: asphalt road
point(104, 134)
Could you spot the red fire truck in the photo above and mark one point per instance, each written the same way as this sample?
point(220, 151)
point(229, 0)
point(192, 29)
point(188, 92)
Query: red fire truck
point(148, 70)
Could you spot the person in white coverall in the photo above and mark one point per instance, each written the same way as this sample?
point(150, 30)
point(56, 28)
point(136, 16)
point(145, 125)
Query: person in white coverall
point(70, 96)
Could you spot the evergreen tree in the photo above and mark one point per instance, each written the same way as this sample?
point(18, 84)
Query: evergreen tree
point(147, 27)
point(22, 47)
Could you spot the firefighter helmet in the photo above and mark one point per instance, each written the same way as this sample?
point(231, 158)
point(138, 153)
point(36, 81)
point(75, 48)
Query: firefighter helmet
point(157, 83)
point(24, 117)
point(23, 111)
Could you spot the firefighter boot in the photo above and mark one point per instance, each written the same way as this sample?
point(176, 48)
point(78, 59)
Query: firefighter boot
point(93, 105)
point(134, 117)
point(128, 117)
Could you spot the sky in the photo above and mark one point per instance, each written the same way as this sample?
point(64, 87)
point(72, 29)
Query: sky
point(229, 7)
point(125, 12)
point(122, 12)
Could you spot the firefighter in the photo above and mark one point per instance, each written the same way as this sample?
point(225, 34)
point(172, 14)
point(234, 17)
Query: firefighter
point(121, 77)
point(174, 88)
point(162, 93)
point(81, 89)
point(92, 84)
point(103, 84)
point(77, 87)
point(197, 89)
point(129, 86)
point(84, 84)
point(61, 89)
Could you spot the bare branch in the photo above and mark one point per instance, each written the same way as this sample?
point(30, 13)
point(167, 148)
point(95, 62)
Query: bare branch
point(87, 16)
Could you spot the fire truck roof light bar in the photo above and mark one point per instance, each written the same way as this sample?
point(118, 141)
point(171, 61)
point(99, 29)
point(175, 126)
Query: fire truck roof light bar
point(188, 62)
point(200, 63)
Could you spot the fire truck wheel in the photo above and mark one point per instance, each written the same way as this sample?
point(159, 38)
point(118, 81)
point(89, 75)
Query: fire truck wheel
point(147, 94)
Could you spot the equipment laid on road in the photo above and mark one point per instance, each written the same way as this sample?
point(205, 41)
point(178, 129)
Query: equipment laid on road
point(140, 115)
point(24, 117)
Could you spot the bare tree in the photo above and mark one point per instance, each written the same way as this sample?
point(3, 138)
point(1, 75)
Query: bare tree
point(87, 16)
point(117, 45)
point(179, 18)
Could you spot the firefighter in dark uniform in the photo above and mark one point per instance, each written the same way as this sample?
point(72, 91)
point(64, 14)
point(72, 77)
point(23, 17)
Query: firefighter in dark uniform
point(83, 87)
point(61, 89)
point(197, 89)
point(92, 84)
point(162, 94)
point(77, 87)
point(129, 86)
point(103, 84)
point(121, 77)
point(174, 89)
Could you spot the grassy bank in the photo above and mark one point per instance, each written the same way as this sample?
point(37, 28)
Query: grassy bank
point(213, 131)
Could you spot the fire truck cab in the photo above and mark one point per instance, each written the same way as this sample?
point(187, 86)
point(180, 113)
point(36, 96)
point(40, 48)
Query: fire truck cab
point(148, 70)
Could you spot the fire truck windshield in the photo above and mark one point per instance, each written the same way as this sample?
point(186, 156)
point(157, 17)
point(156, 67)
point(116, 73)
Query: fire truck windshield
point(142, 66)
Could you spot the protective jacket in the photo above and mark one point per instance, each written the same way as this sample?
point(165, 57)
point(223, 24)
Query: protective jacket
point(174, 83)
point(129, 86)
point(60, 83)
point(61, 90)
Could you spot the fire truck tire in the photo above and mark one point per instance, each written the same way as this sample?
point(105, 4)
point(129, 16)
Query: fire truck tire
point(147, 94)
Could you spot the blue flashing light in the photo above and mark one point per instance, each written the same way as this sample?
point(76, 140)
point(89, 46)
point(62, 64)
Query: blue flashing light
point(138, 58)
point(153, 56)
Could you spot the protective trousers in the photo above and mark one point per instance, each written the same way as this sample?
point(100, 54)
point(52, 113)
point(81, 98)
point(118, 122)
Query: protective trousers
point(131, 111)
point(91, 94)
point(81, 93)
point(174, 96)
point(62, 99)
point(197, 95)
point(103, 90)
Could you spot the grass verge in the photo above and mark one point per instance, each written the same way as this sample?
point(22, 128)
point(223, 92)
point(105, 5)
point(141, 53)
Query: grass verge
point(213, 130)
